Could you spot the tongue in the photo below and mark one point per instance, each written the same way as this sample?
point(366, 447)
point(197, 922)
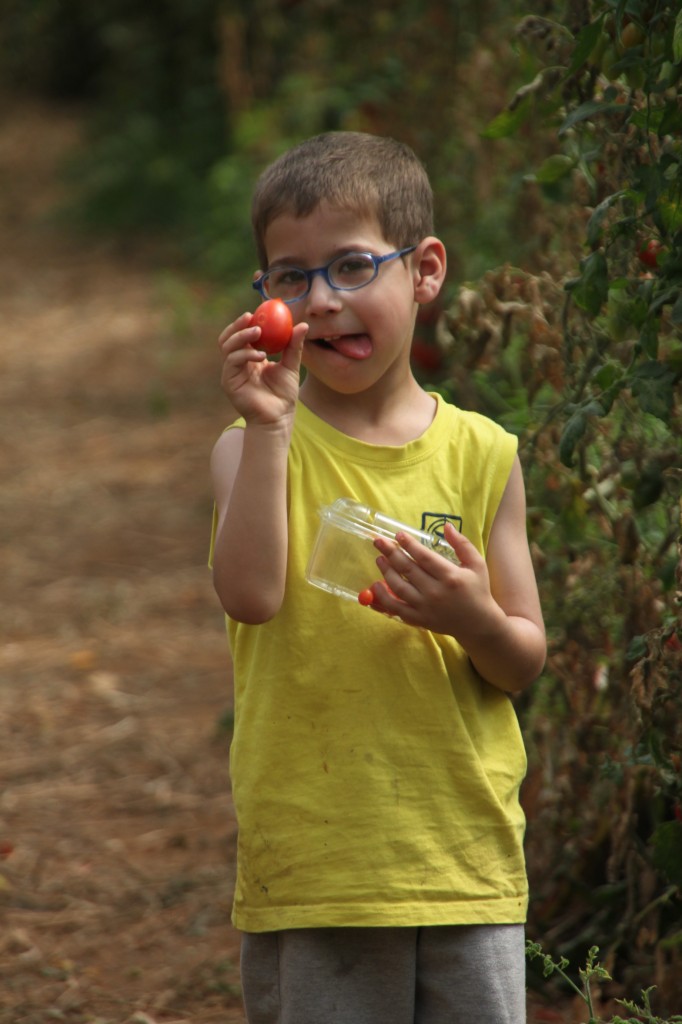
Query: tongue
point(353, 346)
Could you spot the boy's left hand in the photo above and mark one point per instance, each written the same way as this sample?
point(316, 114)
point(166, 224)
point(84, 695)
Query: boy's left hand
point(424, 589)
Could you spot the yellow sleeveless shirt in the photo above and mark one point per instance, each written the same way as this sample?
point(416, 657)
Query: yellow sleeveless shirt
point(375, 775)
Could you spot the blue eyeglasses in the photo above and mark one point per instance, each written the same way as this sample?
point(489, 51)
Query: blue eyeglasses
point(344, 273)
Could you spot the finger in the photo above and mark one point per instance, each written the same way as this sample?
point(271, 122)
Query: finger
point(299, 333)
point(467, 554)
point(384, 599)
point(241, 356)
point(237, 325)
point(422, 554)
point(386, 602)
point(292, 354)
point(404, 555)
point(239, 334)
point(246, 339)
point(400, 586)
point(432, 561)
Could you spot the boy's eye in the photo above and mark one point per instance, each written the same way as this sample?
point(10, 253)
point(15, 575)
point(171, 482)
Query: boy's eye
point(285, 280)
point(353, 264)
point(286, 275)
point(353, 268)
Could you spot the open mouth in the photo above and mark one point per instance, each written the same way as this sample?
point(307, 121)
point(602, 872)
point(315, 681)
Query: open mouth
point(352, 346)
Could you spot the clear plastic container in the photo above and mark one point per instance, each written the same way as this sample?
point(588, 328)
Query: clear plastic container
point(343, 559)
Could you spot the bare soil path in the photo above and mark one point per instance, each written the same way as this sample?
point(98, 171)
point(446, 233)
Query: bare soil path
point(116, 826)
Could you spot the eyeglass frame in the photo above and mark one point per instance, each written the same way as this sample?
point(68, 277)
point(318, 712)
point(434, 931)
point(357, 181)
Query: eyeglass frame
point(324, 271)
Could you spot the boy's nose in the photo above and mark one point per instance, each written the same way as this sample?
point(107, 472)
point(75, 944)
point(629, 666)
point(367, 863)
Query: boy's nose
point(321, 297)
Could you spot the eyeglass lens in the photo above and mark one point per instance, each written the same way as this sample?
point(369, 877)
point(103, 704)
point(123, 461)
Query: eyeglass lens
point(352, 270)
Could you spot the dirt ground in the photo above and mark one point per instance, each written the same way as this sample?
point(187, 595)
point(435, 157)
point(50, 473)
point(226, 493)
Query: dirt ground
point(117, 832)
point(116, 825)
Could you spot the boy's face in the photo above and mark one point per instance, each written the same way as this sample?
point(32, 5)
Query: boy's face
point(356, 339)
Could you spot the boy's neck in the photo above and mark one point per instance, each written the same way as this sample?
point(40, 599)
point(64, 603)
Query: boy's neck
point(395, 418)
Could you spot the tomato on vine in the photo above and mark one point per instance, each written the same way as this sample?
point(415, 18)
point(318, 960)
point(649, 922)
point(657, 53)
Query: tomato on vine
point(648, 254)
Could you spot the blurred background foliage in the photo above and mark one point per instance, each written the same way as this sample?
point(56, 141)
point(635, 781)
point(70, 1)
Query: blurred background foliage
point(553, 136)
point(188, 101)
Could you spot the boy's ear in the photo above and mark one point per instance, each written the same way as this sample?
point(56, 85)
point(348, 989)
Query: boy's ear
point(430, 264)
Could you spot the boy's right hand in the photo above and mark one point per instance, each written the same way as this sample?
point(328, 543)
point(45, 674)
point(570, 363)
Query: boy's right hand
point(262, 391)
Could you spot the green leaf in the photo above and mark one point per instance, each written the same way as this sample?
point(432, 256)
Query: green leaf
point(590, 291)
point(588, 110)
point(667, 843)
point(671, 121)
point(677, 38)
point(670, 212)
point(652, 385)
point(673, 941)
point(595, 222)
point(507, 122)
point(676, 312)
point(637, 648)
point(572, 433)
point(648, 337)
point(586, 40)
point(670, 295)
point(576, 427)
point(607, 375)
point(630, 61)
point(553, 169)
point(648, 120)
point(594, 407)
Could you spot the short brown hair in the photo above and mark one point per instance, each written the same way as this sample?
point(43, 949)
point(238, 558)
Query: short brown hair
point(368, 174)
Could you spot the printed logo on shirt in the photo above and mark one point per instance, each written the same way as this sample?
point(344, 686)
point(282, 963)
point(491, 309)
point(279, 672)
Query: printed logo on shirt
point(434, 522)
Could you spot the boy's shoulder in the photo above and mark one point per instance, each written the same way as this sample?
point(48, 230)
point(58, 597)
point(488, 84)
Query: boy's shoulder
point(469, 421)
point(475, 421)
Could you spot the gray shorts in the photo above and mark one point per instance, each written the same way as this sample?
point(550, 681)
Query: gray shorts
point(451, 974)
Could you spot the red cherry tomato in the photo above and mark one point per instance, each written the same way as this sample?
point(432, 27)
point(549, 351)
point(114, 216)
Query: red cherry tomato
point(648, 254)
point(366, 597)
point(276, 324)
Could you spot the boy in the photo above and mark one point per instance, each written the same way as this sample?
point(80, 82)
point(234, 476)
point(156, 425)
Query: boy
point(376, 759)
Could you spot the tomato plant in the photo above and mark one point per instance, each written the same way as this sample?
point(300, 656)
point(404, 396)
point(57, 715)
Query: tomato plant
point(581, 356)
point(276, 324)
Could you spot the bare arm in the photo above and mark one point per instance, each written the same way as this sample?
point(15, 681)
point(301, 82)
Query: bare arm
point(491, 606)
point(510, 650)
point(249, 471)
